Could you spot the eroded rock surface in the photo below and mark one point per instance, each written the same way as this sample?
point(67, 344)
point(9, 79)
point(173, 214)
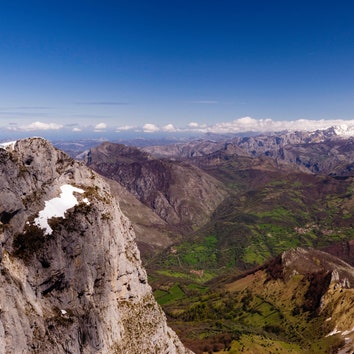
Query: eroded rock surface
point(80, 288)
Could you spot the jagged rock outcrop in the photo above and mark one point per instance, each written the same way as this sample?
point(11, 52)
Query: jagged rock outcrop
point(322, 271)
point(305, 261)
point(79, 288)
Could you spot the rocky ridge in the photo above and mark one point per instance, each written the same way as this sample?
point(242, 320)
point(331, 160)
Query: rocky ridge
point(80, 288)
point(179, 193)
point(330, 290)
point(322, 151)
point(312, 291)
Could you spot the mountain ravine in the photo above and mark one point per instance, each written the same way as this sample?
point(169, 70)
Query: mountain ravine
point(71, 279)
point(181, 194)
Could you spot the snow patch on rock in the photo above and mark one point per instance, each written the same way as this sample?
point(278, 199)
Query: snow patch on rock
point(9, 144)
point(57, 207)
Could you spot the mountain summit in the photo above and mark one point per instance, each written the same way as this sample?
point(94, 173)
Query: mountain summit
point(71, 279)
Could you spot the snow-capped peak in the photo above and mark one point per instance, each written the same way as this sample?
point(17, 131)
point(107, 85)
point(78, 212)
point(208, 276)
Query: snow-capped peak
point(344, 130)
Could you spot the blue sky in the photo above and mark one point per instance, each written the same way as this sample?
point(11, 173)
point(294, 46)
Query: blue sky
point(152, 66)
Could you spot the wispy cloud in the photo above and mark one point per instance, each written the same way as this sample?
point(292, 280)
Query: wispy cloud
point(34, 107)
point(26, 112)
point(23, 115)
point(103, 103)
point(126, 127)
point(11, 108)
point(205, 102)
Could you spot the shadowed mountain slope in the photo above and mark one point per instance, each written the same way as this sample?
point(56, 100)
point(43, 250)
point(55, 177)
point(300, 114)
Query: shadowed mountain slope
point(179, 193)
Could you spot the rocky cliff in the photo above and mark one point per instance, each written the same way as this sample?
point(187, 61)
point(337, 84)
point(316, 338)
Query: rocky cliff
point(71, 279)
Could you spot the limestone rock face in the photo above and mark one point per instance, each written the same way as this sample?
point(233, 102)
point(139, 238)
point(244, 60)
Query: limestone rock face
point(79, 288)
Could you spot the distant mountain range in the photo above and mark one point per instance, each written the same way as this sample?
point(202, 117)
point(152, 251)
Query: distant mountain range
point(323, 152)
point(192, 186)
point(227, 205)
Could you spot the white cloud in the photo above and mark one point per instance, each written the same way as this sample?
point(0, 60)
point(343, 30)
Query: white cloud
point(169, 128)
point(100, 126)
point(150, 128)
point(248, 124)
point(125, 127)
point(244, 124)
point(193, 125)
point(37, 126)
point(239, 125)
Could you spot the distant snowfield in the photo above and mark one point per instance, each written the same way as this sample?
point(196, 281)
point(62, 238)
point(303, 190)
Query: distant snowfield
point(57, 207)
